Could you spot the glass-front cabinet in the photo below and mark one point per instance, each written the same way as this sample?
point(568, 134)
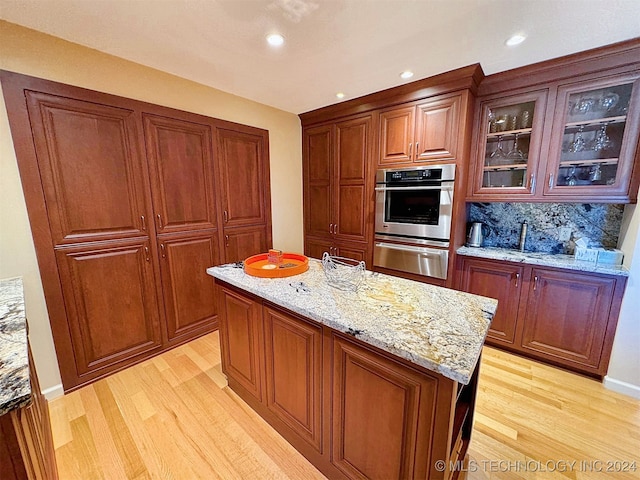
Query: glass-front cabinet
point(508, 144)
point(594, 137)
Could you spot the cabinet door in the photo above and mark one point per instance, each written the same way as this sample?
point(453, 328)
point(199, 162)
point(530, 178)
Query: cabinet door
point(317, 156)
point(351, 199)
point(181, 165)
point(354, 251)
point(241, 340)
point(501, 281)
point(508, 136)
point(594, 138)
point(567, 316)
point(315, 248)
point(244, 175)
point(111, 304)
point(376, 431)
point(90, 168)
point(436, 134)
point(293, 350)
point(241, 243)
point(396, 135)
point(189, 293)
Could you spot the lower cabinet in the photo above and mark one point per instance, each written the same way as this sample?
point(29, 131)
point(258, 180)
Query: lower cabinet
point(564, 317)
point(189, 293)
point(26, 442)
point(353, 411)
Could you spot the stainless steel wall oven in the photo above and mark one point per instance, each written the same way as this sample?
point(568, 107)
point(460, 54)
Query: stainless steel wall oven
point(413, 212)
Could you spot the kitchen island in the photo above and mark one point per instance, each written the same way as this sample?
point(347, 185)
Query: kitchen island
point(374, 383)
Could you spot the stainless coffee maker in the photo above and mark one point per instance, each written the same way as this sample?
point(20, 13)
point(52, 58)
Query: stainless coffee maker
point(475, 237)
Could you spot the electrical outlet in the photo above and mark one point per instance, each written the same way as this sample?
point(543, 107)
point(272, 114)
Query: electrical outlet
point(564, 234)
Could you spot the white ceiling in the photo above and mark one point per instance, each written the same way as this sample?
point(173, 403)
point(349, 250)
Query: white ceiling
point(353, 46)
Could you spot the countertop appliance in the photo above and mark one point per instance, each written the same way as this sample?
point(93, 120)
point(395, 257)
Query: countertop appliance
point(413, 215)
point(475, 237)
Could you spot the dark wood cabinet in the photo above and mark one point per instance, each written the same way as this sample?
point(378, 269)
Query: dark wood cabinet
point(293, 352)
point(26, 442)
point(129, 204)
point(377, 398)
point(90, 167)
point(188, 292)
point(182, 174)
point(315, 247)
point(426, 131)
point(564, 317)
point(111, 303)
point(567, 316)
point(338, 199)
point(353, 410)
point(575, 122)
point(242, 342)
point(502, 281)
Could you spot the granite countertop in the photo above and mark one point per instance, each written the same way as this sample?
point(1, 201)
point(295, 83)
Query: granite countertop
point(439, 329)
point(544, 259)
point(15, 389)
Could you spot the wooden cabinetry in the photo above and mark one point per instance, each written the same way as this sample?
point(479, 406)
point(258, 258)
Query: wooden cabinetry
point(421, 132)
point(571, 133)
point(564, 317)
point(337, 189)
point(244, 191)
point(26, 443)
point(129, 204)
point(354, 411)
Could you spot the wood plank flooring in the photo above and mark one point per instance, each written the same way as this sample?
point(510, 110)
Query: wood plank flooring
point(172, 417)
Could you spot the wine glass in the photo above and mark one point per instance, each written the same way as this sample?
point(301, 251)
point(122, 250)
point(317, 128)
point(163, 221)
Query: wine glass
point(498, 153)
point(572, 179)
point(602, 141)
point(578, 144)
point(515, 153)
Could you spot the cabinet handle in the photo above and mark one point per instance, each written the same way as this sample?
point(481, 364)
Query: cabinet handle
point(146, 254)
point(335, 228)
point(225, 216)
point(159, 217)
point(164, 253)
point(551, 180)
point(417, 148)
point(331, 228)
point(517, 279)
point(226, 240)
point(144, 223)
point(533, 183)
point(410, 149)
point(535, 283)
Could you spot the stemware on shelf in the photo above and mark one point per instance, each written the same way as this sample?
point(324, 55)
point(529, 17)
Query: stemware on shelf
point(578, 144)
point(602, 141)
point(515, 153)
point(498, 153)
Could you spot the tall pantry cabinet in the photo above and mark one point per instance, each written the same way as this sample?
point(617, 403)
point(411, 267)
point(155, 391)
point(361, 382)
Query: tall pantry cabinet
point(129, 203)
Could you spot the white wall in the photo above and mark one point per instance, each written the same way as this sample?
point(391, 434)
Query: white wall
point(26, 51)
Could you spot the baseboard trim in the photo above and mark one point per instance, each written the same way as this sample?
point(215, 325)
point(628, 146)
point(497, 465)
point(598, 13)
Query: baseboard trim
point(53, 392)
point(621, 387)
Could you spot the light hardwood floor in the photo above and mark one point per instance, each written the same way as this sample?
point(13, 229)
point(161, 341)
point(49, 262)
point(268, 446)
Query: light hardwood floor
point(172, 417)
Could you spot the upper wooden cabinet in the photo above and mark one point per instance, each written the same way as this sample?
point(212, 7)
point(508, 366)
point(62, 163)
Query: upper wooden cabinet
point(336, 166)
point(182, 179)
point(244, 176)
point(422, 132)
point(570, 136)
point(91, 170)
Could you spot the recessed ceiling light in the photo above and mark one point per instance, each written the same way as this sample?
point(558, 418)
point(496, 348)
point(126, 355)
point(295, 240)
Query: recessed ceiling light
point(406, 74)
point(514, 40)
point(275, 39)
point(340, 95)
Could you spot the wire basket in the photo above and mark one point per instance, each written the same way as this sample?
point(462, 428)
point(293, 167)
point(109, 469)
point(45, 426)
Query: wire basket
point(343, 273)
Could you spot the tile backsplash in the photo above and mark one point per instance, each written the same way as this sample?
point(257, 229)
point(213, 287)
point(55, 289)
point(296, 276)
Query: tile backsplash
point(599, 223)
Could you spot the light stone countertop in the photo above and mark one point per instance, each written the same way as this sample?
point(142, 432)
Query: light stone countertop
point(15, 389)
point(439, 329)
point(544, 259)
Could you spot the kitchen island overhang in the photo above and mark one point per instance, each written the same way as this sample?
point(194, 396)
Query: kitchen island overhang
point(363, 383)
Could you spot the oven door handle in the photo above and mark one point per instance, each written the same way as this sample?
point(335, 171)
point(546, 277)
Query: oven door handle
point(443, 187)
point(407, 248)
